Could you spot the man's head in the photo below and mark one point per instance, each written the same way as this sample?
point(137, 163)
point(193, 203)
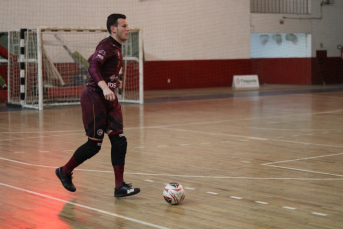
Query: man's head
point(118, 27)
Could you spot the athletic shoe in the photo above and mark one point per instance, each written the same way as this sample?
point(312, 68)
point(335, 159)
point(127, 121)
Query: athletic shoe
point(66, 180)
point(126, 190)
point(4, 87)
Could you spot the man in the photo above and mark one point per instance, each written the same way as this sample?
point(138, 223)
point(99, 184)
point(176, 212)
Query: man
point(101, 111)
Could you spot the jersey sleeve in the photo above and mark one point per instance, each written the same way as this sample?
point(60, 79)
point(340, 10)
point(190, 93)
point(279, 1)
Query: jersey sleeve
point(101, 54)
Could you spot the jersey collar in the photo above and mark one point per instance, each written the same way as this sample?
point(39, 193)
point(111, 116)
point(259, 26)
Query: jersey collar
point(115, 42)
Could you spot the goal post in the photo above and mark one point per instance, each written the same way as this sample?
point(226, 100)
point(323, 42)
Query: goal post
point(53, 69)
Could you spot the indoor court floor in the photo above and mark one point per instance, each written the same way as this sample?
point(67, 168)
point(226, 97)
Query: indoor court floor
point(266, 158)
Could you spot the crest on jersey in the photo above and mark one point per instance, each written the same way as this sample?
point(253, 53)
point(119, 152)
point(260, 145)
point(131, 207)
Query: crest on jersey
point(100, 132)
point(102, 52)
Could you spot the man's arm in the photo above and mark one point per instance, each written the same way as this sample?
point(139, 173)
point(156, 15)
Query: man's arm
point(94, 70)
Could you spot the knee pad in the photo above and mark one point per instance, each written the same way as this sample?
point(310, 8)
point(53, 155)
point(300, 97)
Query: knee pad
point(118, 150)
point(87, 150)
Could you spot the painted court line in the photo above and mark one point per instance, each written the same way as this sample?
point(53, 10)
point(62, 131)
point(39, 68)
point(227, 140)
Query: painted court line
point(235, 120)
point(255, 138)
point(236, 197)
point(307, 143)
point(23, 163)
point(291, 130)
point(212, 193)
point(318, 213)
point(252, 138)
point(305, 170)
point(36, 137)
point(289, 208)
point(305, 158)
point(184, 144)
point(189, 188)
point(261, 202)
point(46, 131)
point(84, 206)
point(271, 164)
point(183, 175)
point(70, 132)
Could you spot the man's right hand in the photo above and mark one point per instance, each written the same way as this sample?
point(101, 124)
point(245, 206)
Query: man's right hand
point(108, 93)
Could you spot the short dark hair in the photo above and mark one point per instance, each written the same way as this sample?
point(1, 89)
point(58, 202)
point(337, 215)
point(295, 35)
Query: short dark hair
point(112, 20)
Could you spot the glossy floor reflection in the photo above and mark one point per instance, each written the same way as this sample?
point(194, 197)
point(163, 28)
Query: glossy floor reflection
point(252, 161)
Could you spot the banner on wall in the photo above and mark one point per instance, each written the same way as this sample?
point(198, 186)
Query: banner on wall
point(245, 81)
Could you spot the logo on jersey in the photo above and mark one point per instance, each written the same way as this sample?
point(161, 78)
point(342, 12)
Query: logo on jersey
point(100, 132)
point(102, 52)
point(111, 85)
point(112, 77)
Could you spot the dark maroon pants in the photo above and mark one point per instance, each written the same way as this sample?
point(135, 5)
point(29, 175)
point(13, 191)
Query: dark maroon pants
point(100, 115)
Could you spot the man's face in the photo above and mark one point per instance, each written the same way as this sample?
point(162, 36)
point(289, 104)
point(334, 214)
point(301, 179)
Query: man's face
point(121, 32)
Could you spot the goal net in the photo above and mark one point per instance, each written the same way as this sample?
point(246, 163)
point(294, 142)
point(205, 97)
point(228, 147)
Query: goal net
point(56, 68)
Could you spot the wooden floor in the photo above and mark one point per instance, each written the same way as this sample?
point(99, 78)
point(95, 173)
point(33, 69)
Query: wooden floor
point(269, 158)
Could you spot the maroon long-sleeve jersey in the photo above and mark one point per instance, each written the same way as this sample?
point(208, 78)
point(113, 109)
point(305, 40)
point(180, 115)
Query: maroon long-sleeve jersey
point(105, 63)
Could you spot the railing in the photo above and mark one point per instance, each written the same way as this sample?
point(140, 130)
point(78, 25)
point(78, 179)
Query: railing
point(280, 6)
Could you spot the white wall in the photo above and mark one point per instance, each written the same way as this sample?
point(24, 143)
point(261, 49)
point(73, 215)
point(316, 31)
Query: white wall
point(267, 45)
point(181, 29)
point(172, 30)
point(324, 24)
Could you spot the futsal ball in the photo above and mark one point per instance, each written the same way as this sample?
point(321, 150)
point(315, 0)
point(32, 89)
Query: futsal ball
point(174, 193)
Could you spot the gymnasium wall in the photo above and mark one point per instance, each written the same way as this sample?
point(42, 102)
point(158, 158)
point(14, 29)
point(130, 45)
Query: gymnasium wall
point(172, 30)
point(322, 23)
point(327, 68)
point(196, 43)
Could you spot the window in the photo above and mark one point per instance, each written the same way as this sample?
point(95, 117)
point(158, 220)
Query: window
point(280, 6)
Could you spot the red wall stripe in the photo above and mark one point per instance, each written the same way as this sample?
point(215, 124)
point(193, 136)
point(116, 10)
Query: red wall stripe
point(219, 73)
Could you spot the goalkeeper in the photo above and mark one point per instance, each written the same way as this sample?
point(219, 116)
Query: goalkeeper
point(101, 110)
